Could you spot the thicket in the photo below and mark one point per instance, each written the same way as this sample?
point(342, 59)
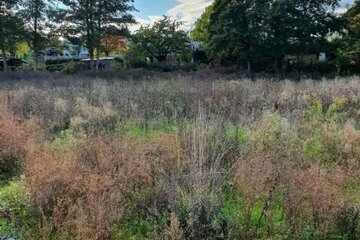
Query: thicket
point(180, 158)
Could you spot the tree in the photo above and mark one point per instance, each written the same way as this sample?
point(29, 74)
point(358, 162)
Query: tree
point(11, 28)
point(202, 25)
point(161, 39)
point(248, 29)
point(299, 27)
point(235, 32)
point(350, 49)
point(34, 12)
point(112, 16)
point(77, 20)
point(88, 19)
point(112, 43)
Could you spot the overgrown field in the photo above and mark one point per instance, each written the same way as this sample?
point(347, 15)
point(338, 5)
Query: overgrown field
point(179, 157)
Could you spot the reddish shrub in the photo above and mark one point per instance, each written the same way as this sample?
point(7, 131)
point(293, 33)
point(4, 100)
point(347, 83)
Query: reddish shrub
point(312, 194)
point(81, 189)
point(12, 139)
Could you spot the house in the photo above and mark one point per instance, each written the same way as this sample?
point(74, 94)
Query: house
point(70, 51)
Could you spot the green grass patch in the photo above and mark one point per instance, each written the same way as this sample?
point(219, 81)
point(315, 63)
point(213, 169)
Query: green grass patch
point(16, 218)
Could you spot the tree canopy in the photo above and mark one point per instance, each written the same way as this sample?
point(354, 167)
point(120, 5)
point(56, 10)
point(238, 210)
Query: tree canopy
point(89, 19)
point(161, 39)
point(241, 31)
point(34, 13)
point(349, 51)
point(11, 28)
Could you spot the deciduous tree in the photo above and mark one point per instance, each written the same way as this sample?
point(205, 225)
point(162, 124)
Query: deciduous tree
point(161, 39)
point(34, 13)
point(351, 41)
point(112, 43)
point(88, 19)
point(112, 16)
point(10, 27)
point(244, 30)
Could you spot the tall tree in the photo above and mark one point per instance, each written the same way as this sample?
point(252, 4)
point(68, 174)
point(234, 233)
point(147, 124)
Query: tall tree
point(88, 19)
point(202, 25)
point(112, 16)
point(9, 27)
point(34, 12)
point(351, 43)
point(299, 27)
point(77, 20)
point(161, 39)
point(247, 29)
point(235, 32)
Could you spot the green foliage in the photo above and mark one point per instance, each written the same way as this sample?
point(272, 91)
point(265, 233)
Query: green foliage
point(244, 32)
point(233, 32)
point(349, 50)
point(161, 39)
point(73, 67)
point(16, 217)
point(118, 64)
point(322, 68)
point(236, 134)
point(202, 25)
point(185, 56)
point(135, 229)
point(12, 29)
point(89, 20)
point(64, 140)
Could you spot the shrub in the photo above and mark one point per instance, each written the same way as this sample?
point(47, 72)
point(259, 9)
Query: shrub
point(81, 189)
point(16, 217)
point(73, 67)
point(12, 141)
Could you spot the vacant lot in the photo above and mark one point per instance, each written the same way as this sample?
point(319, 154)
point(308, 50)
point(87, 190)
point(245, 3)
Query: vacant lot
point(179, 157)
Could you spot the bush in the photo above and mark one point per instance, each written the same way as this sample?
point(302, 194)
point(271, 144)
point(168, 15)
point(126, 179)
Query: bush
point(81, 189)
point(54, 67)
point(16, 216)
point(73, 67)
point(12, 143)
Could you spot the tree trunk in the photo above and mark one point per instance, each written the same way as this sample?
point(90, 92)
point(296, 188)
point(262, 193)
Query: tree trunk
point(35, 44)
point(4, 57)
point(2, 37)
point(248, 62)
point(279, 63)
point(97, 59)
point(98, 40)
point(92, 60)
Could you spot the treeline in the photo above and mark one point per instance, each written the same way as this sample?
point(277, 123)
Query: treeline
point(41, 23)
point(263, 35)
point(276, 37)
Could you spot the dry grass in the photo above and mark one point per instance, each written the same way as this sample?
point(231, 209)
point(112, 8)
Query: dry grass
point(107, 153)
point(12, 140)
point(81, 189)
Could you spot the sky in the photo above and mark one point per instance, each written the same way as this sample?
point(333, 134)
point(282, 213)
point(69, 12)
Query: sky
point(185, 10)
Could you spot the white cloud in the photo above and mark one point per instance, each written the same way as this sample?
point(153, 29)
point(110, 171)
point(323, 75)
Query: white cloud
point(142, 21)
point(189, 10)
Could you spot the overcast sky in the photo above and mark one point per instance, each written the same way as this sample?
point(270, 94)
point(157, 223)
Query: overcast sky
point(186, 10)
